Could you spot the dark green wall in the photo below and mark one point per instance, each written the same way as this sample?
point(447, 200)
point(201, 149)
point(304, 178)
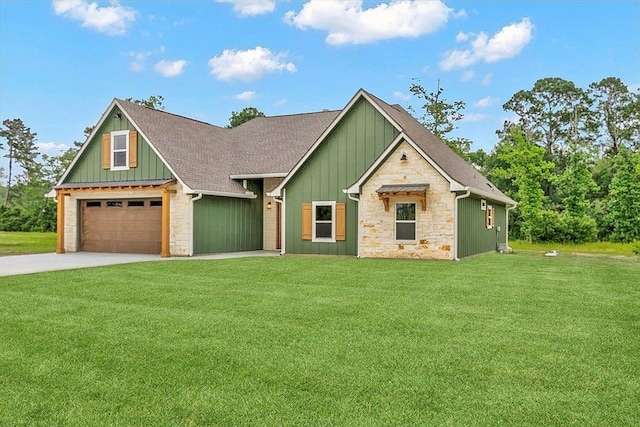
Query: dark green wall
point(227, 224)
point(473, 236)
point(340, 160)
point(89, 167)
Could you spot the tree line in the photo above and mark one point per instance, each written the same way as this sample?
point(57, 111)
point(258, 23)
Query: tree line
point(571, 159)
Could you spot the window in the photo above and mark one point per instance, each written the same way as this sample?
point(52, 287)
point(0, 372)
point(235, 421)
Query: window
point(489, 216)
point(94, 204)
point(324, 221)
point(120, 150)
point(323, 224)
point(135, 203)
point(405, 221)
point(155, 203)
point(114, 204)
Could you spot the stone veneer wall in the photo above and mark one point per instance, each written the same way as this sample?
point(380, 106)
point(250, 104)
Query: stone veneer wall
point(179, 212)
point(434, 227)
point(269, 215)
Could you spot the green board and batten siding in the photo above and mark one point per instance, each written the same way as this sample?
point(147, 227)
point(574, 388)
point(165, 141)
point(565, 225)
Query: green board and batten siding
point(227, 224)
point(353, 145)
point(473, 236)
point(88, 169)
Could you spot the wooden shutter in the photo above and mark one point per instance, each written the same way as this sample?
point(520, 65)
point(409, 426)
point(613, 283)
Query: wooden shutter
point(306, 221)
point(106, 151)
point(340, 221)
point(133, 149)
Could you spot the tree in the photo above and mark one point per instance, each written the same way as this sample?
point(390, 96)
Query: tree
point(553, 112)
point(21, 150)
point(247, 113)
point(439, 116)
point(524, 164)
point(623, 205)
point(576, 183)
point(618, 113)
point(154, 101)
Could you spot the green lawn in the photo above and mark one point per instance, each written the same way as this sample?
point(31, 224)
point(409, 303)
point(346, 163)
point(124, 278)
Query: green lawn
point(494, 340)
point(15, 243)
point(604, 248)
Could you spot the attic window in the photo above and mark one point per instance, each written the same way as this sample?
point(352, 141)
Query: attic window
point(406, 190)
point(120, 150)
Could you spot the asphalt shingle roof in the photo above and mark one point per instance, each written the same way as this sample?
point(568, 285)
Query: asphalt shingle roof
point(447, 159)
point(204, 156)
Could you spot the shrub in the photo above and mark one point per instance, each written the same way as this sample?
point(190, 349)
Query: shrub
point(552, 226)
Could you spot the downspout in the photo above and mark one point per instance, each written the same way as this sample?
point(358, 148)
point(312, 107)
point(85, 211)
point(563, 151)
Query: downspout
point(282, 220)
point(455, 222)
point(506, 225)
point(192, 213)
point(357, 200)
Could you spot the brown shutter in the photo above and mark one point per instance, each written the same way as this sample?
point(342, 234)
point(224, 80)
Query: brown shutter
point(306, 221)
point(133, 149)
point(486, 217)
point(106, 151)
point(340, 222)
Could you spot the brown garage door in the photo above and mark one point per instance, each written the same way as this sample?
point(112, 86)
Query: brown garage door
point(124, 226)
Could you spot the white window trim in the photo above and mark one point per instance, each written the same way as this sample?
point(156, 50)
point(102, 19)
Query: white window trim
point(333, 221)
point(395, 223)
point(112, 151)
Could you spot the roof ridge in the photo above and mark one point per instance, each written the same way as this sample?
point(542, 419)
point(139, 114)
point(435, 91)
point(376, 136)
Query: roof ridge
point(299, 114)
point(168, 112)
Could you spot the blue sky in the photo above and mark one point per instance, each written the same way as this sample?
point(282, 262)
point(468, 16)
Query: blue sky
point(63, 61)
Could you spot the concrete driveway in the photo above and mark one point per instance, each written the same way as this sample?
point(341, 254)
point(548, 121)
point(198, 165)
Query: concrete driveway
point(24, 264)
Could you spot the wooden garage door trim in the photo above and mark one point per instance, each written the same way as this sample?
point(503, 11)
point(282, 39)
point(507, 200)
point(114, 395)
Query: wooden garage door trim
point(122, 225)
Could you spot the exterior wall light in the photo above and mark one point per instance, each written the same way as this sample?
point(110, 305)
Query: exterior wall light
point(268, 205)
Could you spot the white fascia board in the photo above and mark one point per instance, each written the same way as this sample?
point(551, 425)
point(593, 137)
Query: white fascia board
point(355, 188)
point(83, 147)
point(491, 196)
point(95, 130)
point(259, 175)
point(155, 150)
point(360, 94)
point(247, 195)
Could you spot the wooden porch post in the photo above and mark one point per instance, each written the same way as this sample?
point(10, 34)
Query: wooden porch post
point(60, 222)
point(166, 209)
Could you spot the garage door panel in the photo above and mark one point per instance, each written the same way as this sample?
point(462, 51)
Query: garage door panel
point(124, 226)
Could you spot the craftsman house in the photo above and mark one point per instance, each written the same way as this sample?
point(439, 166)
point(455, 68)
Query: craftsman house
point(368, 181)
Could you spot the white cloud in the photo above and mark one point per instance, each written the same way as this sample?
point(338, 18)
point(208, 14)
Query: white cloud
point(251, 7)
point(113, 20)
point(280, 102)
point(347, 22)
point(468, 75)
point(137, 64)
point(485, 102)
point(248, 65)
point(51, 147)
point(247, 95)
point(401, 95)
point(506, 43)
point(634, 88)
point(170, 68)
point(486, 81)
point(474, 117)
point(462, 37)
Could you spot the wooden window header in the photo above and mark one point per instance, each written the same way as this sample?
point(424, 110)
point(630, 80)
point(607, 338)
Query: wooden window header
point(403, 190)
